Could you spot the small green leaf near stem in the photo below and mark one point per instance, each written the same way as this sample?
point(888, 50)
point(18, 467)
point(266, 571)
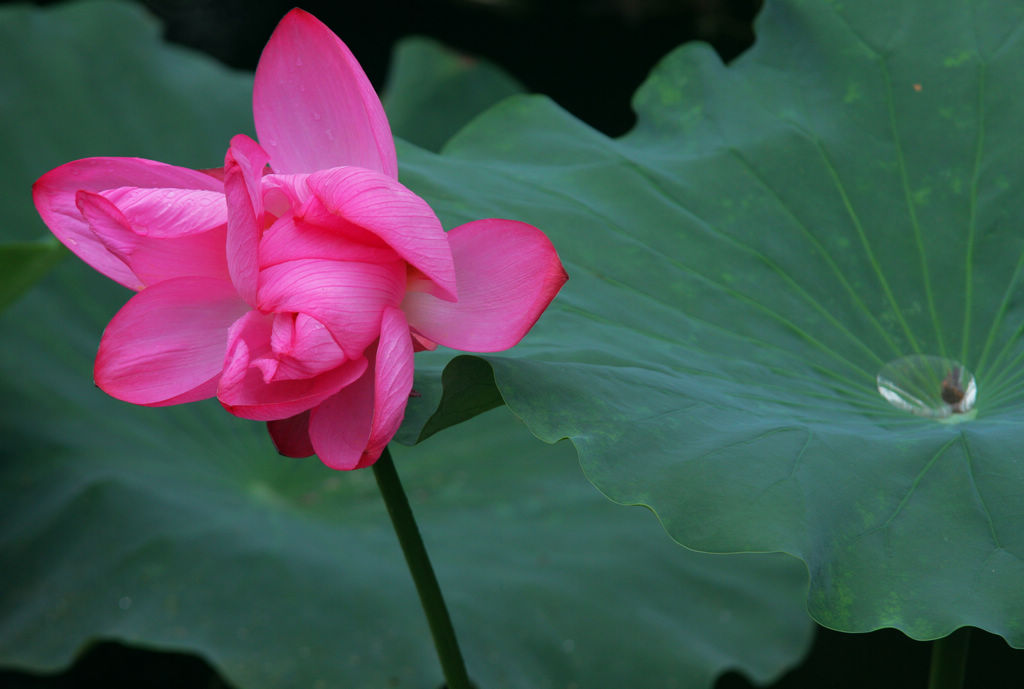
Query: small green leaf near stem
point(422, 573)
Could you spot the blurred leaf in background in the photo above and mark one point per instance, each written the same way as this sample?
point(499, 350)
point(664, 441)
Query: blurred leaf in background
point(23, 263)
point(433, 91)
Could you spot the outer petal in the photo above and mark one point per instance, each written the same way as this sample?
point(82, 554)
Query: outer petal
point(351, 429)
point(247, 388)
point(243, 169)
point(392, 383)
point(291, 435)
point(168, 341)
point(339, 428)
point(347, 297)
point(507, 272)
point(313, 105)
point(152, 260)
point(354, 202)
point(54, 196)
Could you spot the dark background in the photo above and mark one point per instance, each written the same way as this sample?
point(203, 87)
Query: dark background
point(589, 56)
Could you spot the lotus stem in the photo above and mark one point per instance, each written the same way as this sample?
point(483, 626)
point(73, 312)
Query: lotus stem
point(422, 573)
point(949, 660)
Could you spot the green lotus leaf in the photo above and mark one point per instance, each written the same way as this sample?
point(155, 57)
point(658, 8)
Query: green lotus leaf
point(180, 528)
point(770, 237)
point(25, 262)
point(433, 91)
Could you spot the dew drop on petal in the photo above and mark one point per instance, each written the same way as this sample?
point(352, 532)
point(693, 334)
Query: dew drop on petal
point(930, 386)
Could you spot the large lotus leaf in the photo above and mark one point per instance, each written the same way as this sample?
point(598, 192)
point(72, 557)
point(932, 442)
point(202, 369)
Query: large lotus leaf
point(746, 261)
point(180, 528)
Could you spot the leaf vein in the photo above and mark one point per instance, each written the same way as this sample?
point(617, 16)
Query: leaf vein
point(969, 456)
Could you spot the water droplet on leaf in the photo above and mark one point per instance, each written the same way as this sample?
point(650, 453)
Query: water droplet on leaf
point(930, 386)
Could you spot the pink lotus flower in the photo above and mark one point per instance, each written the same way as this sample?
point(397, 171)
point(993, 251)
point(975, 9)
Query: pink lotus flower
point(296, 293)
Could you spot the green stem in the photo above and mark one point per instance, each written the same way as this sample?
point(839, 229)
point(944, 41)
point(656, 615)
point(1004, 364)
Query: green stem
point(949, 660)
point(422, 573)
